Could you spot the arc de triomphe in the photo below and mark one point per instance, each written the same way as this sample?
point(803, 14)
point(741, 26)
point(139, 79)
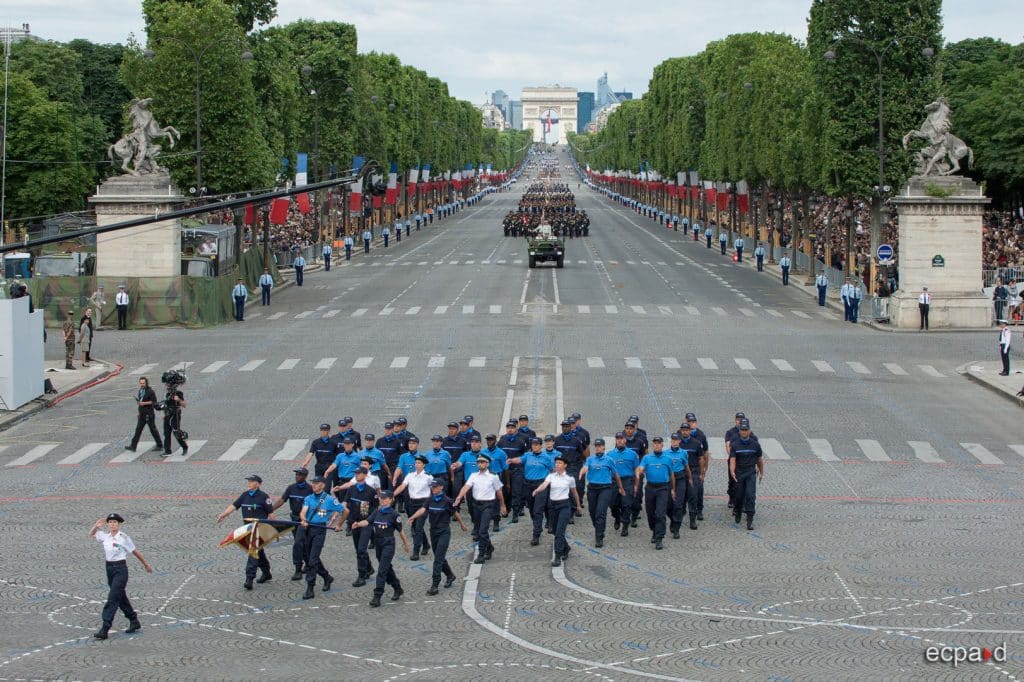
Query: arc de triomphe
point(550, 112)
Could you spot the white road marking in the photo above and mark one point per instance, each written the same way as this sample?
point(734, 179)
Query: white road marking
point(477, 362)
point(468, 309)
point(358, 312)
point(595, 363)
point(326, 363)
point(214, 366)
point(400, 362)
point(692, 310)
point(670, 363)
point(800, 313)
point(925, 451)
point(331, 313)
point(707, 363)
point(773, 449)
point(611, 310)
point(895, 369)
point(239, 449)
point(773, 313)
point(440, 310)
point(748, 313)
point(982, 453)
point(413, 310)
point(873, 450)
point(362, 363)
point(83, 453)
point(822, 449)
point(638, 309)
point(436, 361)
point(144, 368)
point(559, 392)
point(385, 312)
point(634, 363)
point(554, 283)
point(719, 311)
point(744, 364)
point(251, 365)
point(292, 449)
point(289, 363)
point(304, 314)
point(858, 368)
point(584, 309)
point(129, 456)
point(931, 371)
point(822, 366)
point(194, 446)
point(276, 316)
point(783, 365)
point(494, 309)
point(664, 310)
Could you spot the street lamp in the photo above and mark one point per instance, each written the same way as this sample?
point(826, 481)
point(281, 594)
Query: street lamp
point(881, 189)
point(812, 207)
point(197, 55)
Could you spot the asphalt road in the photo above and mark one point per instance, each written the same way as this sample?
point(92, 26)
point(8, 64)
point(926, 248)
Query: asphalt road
point(886, 520)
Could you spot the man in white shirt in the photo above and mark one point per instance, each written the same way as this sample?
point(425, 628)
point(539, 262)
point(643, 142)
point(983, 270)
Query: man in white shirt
point(328, 253)
point(385, 233)
point(924, 304)
point(822, 283)
point(116, 547)
point(855, 295)
point(349, 243)
point(784, 264)
point(240, 294)
point(759, 255)
point(1004, 348)
point(367, 238)
point(266, 284)
point(487, 497)
point(121, 300)
point(844, 293)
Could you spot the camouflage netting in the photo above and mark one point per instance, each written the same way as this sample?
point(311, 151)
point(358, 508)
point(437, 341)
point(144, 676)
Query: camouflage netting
point(155, 301)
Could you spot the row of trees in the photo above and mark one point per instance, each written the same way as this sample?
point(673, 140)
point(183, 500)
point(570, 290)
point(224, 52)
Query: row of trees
point(264, 96)
point(804, 118)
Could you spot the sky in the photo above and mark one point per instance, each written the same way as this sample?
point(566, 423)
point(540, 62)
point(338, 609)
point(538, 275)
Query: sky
point(479, 47)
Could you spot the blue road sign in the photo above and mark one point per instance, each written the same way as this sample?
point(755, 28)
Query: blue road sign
point(884, 252)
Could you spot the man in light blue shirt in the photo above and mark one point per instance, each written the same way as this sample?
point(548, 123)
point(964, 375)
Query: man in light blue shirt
point(266, 284)
point(240, 294)
point(300, 265)
point(328, 253)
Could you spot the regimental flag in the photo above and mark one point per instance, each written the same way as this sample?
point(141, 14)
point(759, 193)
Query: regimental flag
point(257, 534)
point(355, 197)
point(391, 194)
point(279, 211)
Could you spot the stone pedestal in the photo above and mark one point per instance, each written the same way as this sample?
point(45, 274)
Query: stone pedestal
point(152, 250)
point(940, 248)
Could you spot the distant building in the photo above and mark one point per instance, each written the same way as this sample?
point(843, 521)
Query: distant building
point(492, 116)
point(605, 96)
point(515, 114)
point(585, 112)
point(500, 100)
point(623, 96)
point(15, 34)
point(601, 117)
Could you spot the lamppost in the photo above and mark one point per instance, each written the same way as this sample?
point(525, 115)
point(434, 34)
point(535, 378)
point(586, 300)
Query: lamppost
point(197, 55)
point(812, 207)
point(879, 52)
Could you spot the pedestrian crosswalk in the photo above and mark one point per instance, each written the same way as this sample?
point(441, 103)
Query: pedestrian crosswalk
point(767, 366)
point(261, 450)
point(656, 310)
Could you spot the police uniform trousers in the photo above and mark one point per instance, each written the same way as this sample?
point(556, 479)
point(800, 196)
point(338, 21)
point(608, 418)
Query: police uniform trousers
point(739, 254)
point(117, 598)
point(574, 471)
point(298, 543)
point(146, 418)
point(314, 538)
point(821, 294)
point(385, 550)
point(559, 514)
point(638, 500)
point(677, 507)
point(439, 538)
point(259, 562)
point(722, 244)
point(709, 241)
point(172, 426)
point(122, 317)
point(486, 512)
point(657, 499)
point(785, 276)
point(599, 498)
point(516, 486)
point(361, 543)
point(419, 537)
point(760, 263)
point(622, 508)
point(537, 505)
point(698, 493)
point(745, 495)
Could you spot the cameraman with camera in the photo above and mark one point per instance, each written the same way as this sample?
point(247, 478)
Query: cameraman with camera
point(172, 405)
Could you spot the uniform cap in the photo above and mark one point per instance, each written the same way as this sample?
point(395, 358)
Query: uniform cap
point(744, 423)
point(740, 415)
point(524, 417)
point(657, 439)
point(511, 422)
point(633, 418)
point(348, 420)
point(535, 441)
point(567, 422)
point(436, 437)
point(599, 441)
point(401, 420)
point(115, 517)
point(302, 470)
point(629, 425)
point(464, 421)
point(369, 436)
point(483, 457)
point(620, 434)
point(414, 439)
point(560, 458)
point(389, 425)
point(549, 438)
point(318, 479)
point(341, 422)
point(676, 436)
point(453, 425)
point(691, 417)
point(325, 427)
point(475, 438)
point(576, 416)
point(386, 495)
point(490, 436)
point(437, 483)
point(366, 458)
point(468, 419)
point(684, 425)
point(361, 470)
point(254, 477)
point(421, 458)
point(347, 441)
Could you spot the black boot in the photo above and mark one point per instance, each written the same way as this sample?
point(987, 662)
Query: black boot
point(693, 522)
point(359, 582)
point(309, 591)
point(328, 581)
point(265, 577)
point(433, 589)
point(737, 516)
point(248, 584)
point(102, 632)
point(598, 542)
point(750, 521)
point(449, 580)
point(297, 575)
point(133, 626)
point(625, 530)
point(398, 594)
point(557, 561)
point(375, 602)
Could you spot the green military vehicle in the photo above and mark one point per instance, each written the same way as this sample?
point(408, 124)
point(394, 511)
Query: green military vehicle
point(543, 246)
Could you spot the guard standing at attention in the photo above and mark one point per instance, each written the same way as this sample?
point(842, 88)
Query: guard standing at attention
point(784, 265)
point(295, 495)
point(349, 243)
point(439, 511)
point(255, 504)
point(723, 240)
point(116, 547)
point(68, 331)
point(599, 471)
point(821, 281)
point(320, 511)
point(924, 304)
point(300, 266)
point(708, 233)
point(656, 469)
point(626, 462)
point(684, 494)
point(240, 293)
point(759, 255)
point(327, 252)
point(855, 296)
point(266, 284)
point(844, 293)
point(746, 468)
point(383, 523)
point(738, 245)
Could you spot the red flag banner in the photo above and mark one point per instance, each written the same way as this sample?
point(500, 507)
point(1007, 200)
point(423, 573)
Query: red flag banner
point(710, 195)
point(723, 201)
point(279, 211)
point(744, 203)
point(250, 215)
point(377, 200)
point(302, 200)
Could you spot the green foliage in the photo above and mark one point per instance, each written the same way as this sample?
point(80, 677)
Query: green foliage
point(247, 13)
point(103, 92)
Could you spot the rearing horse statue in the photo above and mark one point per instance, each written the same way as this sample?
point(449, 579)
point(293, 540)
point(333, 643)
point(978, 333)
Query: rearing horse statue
point(139, 146)
point(942, 154)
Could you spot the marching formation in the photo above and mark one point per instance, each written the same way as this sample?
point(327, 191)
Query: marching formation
point(547, 202)
point(373, 489)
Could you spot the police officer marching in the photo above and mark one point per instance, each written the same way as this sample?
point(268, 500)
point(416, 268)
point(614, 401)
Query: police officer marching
point(729, 436)
point(418, 484)
point(699, 470)
point(746, 469)
point(116, 548)
point(562, 487)
point(360, 501)
point(487, 497)
point(844, 293)
point(383, 523)
point(255, 505)
point(323, 449)
point(600, 474)
point(295, 495)
point(626, 462)
point(685, 493)
point(513, 444)
point(320, 511)
point(656, 469)
point(439, 511)
point(537, 464)
point(498, 467)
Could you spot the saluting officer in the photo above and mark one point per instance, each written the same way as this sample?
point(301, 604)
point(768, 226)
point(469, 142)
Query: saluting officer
point(599, 470)
point(320, 511)
point(324, 449)
point(537, 464)
point(746, 468)
point(684, 492)
point(487, 497)
point(383, 523)
point(295, 495)
point(656, 469)
point(360, 501)
point(255, 504)
point(116, 547)
point(418, 484)
point(626, 462)
point(514, 444)
point(439, 511)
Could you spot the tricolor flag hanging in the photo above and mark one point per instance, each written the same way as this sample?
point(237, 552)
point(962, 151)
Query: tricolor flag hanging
point(547, 122)
point(723, 196)
point(681, 178)
point(425, 173)
point(414, 174)
point(743, 196)
point(301, 169)
point(391, 194)
point(256, 534)
point(355, 197)
point(709, 192)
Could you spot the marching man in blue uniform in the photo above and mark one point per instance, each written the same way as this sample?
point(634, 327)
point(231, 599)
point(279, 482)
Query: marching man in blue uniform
point(746, 469)
point(656, 469)
point(383, 523)
point(320, 511)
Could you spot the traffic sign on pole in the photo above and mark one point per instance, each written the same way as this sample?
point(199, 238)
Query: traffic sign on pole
point(884, 253)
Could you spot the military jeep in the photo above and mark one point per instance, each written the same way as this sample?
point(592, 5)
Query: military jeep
point(543, 246)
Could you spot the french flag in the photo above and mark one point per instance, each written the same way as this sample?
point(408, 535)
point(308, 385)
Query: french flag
point(425, 173)
point(391, 194)
point(355, 197)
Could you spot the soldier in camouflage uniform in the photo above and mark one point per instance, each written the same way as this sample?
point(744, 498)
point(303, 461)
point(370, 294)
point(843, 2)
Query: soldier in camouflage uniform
point(69, 330)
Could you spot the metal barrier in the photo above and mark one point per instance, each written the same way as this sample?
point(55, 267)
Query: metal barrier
point(311, 253)
point(990, 275)
point(880, 308)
